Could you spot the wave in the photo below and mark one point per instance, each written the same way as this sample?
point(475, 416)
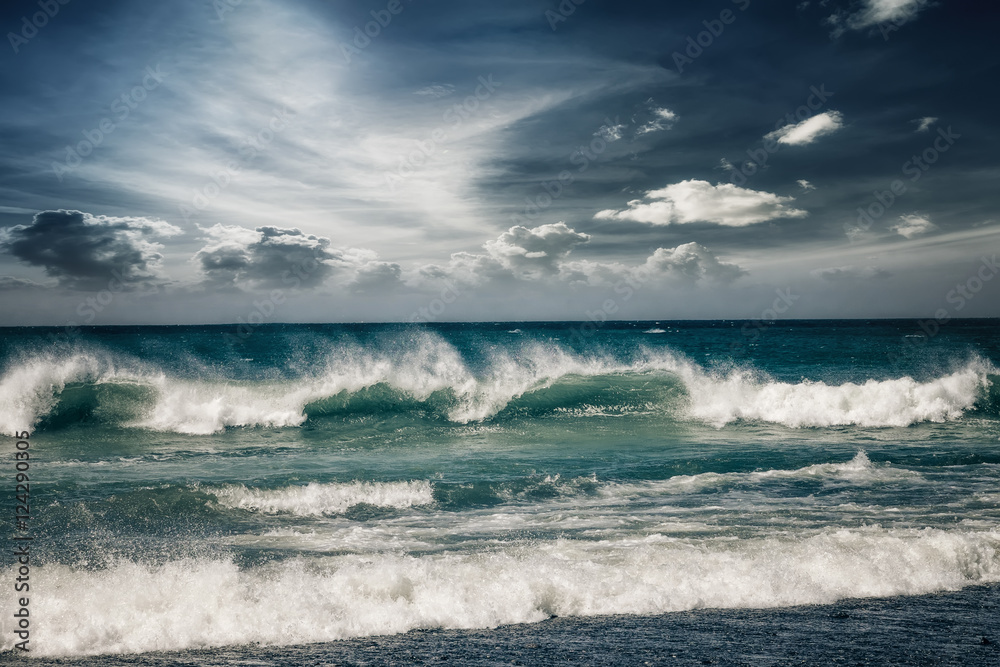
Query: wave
point(204, 602)
point(320, 499)
point(430, 375)
point(858, 471)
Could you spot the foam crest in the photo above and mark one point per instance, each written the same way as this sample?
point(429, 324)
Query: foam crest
point(197, 603)
point(427, 369)
point(30, 386)
point(720, 400)
point(318, 499)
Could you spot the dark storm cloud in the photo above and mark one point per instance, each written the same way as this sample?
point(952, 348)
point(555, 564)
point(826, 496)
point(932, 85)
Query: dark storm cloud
point(287, 258)
point(82, 251)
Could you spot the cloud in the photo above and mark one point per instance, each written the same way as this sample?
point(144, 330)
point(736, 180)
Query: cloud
point(269, 257)
point(924, 124)
point(841, 273)
point(809, 130)
point(83, 251)
point(663, 119)
point(436, 90)
point(805, 185)
point(520, 253)
point(12, 283)
point(912, 226)
point(876, 12)
point(688, 263)
point(531, 253)
point(611, 131)
point(376, 276)
point(700, 201)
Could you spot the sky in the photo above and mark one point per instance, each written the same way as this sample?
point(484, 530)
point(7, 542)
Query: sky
point(224, 161)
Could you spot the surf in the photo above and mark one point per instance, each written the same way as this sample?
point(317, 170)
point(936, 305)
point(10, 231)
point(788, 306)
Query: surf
point(430, 377)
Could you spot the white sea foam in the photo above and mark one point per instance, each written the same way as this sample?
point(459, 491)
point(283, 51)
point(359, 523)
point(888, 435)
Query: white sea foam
point(897, 402)
point(195, 603)
point(654, 331)
point(318, 499)
point(429, 365)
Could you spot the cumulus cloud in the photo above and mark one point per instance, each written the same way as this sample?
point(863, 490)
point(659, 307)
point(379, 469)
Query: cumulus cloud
point(840, 273)
point(912, 226)
point(805, 185)
point(809, 130)
point(277, 257)
point(877, 12)
point(924, 124)
point(687, 263)
point(700, 201)
point(520, 253)
point(84, 251)
point(532, 253)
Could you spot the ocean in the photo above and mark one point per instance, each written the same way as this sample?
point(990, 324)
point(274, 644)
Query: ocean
point(207, 496)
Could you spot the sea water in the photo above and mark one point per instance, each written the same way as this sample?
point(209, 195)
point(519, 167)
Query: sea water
point(192, 487)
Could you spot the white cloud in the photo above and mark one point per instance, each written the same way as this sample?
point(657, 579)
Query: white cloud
point(839, 273)
point(663, 119)
point(700, 201)
point(809, 130)
point(805, 185)
point(912, 226)
point(876, 12)
point(530, 253)
point(519, 253)
point(687, 263)
point(924, 124)
point(611, 131)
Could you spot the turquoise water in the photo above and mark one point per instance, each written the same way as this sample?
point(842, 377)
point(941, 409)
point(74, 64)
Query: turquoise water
point(316, 482)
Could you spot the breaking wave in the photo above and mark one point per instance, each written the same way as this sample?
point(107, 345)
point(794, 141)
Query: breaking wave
point(204, 602)
point(431, 376)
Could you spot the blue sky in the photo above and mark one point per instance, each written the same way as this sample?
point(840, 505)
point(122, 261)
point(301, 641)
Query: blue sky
point(199, 161)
